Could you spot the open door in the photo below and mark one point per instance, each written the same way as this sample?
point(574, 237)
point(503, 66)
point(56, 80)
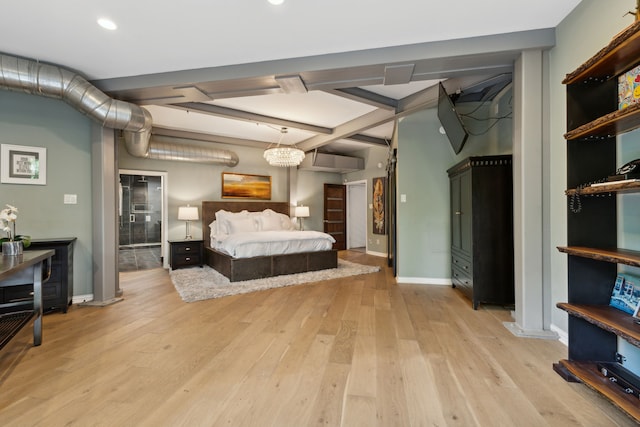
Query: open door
point(335, 214)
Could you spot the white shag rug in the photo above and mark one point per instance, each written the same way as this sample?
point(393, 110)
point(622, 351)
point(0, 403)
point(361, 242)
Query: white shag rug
point(197, 284)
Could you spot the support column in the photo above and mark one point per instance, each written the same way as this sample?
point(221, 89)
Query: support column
point(528, 133)
point(106, 285)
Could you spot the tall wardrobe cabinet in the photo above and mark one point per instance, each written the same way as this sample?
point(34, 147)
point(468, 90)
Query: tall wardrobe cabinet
point(481, 191)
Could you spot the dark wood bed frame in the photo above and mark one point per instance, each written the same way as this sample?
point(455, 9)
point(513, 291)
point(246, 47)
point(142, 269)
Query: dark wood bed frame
point(237, 269)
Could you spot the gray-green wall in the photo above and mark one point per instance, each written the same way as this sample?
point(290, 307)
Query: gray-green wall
point(424, 155)
point(65, 133)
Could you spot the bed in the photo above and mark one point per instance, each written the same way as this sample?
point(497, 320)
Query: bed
point(256, 267)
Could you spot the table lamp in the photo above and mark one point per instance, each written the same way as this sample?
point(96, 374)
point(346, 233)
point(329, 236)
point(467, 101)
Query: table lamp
point(301, 212)
point(188, 213)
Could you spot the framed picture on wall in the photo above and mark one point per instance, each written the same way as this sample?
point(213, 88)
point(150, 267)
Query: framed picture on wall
point(245, 186)
point(21, 164)
point(379, 205)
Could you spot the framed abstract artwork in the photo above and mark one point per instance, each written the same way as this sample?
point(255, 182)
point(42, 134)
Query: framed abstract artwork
point(245, 186)
point(379, 205)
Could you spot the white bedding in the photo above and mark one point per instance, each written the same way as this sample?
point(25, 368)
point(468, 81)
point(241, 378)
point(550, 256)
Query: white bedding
point(262, 243)
point(250, 234)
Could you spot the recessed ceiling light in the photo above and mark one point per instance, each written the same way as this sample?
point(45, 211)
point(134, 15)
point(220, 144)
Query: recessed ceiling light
point(276, 2)
point(107, 23)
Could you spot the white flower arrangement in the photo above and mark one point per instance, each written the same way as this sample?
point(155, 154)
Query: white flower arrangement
point(8, 217)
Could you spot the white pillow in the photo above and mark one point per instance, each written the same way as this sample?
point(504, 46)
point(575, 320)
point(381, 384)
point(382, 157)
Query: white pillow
point(270, 223)
point(242, 224)
point(224, 217)
point(213, 227)
point(288, 223)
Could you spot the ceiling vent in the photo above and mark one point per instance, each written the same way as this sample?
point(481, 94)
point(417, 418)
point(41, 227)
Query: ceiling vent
point(324, 162)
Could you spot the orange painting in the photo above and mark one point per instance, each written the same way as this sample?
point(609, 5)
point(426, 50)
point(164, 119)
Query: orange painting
point(379, 205)
point(245, 186)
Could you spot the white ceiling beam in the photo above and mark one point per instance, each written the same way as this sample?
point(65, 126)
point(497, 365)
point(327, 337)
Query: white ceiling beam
point(347, 129)
point(231, 113)
point(291, 84)
point(398, 74)
point(366, 97)
point(158, 132)
point(430, 55)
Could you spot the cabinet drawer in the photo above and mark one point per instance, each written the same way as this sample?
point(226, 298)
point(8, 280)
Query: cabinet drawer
point(462, 263)
point(187, 259)
point(461, 278)
point(462, 281)
point(187, 248)
point(18, 293)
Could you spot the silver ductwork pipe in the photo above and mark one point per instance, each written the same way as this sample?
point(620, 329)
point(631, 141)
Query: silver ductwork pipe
point(179, 149)
point(33, 77)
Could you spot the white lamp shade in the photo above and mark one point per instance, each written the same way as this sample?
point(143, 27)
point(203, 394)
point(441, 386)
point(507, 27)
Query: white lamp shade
point(302, 211)
point(188, 213)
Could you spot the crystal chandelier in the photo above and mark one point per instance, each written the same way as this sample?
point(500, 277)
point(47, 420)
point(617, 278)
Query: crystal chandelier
point(283, 156)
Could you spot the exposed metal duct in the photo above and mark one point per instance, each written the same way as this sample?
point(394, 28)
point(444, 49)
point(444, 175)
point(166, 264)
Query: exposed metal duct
point(33, 77)
point(174, 150)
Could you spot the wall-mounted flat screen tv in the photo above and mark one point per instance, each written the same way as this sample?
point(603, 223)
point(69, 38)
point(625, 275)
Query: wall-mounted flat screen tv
point(450, 120)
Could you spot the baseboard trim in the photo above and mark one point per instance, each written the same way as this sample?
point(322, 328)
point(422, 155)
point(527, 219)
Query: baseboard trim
point(380, 254)
point(79, 299)
point(88, 301)
point(423, 281)
point(563, 336)
point(101, 303)
point(517, 330)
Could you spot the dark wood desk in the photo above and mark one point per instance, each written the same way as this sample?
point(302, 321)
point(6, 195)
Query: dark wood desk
point(25, 269)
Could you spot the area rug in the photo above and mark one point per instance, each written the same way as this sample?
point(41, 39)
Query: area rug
point(197, 284)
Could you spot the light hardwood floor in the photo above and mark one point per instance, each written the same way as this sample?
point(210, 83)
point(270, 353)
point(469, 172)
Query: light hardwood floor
point(360, 351)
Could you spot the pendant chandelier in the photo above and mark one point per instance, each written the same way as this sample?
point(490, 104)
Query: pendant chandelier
point(283, 156)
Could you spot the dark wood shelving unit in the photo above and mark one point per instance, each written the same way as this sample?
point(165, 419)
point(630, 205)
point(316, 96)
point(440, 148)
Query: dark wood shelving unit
point(593, 115)
point(589, 375)
point(617, 57)
point(615, 123)
point(613, 187)
point(617, 255)
point(609, 318)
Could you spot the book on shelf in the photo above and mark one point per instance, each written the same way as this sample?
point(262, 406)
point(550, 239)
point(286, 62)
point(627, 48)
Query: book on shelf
point(625, 295)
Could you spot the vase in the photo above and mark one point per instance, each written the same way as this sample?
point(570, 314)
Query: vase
point(12, 248)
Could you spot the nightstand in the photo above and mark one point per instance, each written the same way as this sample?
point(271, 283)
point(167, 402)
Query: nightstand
point(185, 253)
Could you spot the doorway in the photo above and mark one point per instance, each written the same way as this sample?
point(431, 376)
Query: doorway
point(334, 217)
point(141, 220)
point(357, 215)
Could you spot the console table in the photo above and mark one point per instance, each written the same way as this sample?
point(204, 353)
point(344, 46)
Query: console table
point(33, 267)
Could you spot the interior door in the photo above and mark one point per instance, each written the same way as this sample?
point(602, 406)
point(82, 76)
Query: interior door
point(335, 214)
